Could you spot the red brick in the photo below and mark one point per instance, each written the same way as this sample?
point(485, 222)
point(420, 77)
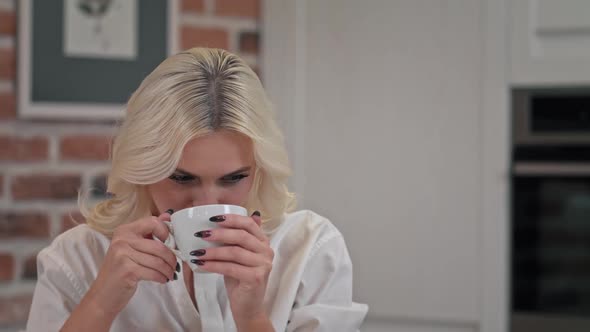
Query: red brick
point(26, 224)
point(30, 268)
point(23, 149)
point(240, 8)
point(70, 220)
point(7, 106)
point(204, 37)
point(7, 64)
point(193, 6)
point(7, 267)
point(45, 186)
point(14, 310)
point(249, 42)
point(84, 147)
point(7, 23)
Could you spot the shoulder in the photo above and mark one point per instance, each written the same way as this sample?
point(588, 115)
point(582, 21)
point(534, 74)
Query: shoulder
point(304, 229)
point(307, 223)
point(78, 239)
point(77, 249)
point(310, 220)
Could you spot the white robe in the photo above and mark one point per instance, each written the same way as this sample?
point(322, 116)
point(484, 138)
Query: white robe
point(309, 288)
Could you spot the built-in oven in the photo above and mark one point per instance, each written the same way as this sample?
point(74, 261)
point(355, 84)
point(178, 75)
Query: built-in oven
point(550, 203)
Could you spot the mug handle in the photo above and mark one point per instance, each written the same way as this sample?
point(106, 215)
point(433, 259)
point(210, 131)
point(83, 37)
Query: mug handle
point(170, 241)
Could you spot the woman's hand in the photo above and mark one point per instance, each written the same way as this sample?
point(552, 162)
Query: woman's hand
point(132, 256)
point(245, 260)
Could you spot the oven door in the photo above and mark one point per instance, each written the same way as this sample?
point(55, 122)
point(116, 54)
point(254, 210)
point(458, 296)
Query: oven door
point(550, 263)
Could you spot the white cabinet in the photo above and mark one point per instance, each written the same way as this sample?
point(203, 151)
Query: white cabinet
point(391, 113)
point(549, 42)
point(396, 122)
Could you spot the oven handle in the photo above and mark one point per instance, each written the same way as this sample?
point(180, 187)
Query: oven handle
point(551, 168)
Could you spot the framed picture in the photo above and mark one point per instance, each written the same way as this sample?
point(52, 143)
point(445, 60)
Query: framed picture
point(82, 59)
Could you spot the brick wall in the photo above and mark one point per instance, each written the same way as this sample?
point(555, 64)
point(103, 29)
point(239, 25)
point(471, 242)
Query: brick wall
point(44, 164)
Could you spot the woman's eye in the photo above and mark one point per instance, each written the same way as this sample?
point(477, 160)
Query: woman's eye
point(234, 178)
point(179, 178)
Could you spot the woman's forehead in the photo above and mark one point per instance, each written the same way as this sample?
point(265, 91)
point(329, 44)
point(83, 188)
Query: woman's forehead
point(220, 152)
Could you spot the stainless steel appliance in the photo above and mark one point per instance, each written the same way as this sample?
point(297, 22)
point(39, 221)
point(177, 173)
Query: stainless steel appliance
point(550, 254)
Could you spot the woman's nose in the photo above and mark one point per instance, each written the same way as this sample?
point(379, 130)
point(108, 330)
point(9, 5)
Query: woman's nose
point(205, 197)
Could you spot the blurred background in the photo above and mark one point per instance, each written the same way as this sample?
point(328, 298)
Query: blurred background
point(449, 140)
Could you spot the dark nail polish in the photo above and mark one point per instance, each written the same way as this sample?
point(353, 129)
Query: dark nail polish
point(198, 262)
point(170, 211)
point(177, 267)
point(217, 218)
point(203, 234)
point(256, 213)
point(175, 276)
point(199, 252)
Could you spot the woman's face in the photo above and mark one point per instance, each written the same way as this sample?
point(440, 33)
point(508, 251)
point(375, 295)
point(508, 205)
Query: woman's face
point(214, 169)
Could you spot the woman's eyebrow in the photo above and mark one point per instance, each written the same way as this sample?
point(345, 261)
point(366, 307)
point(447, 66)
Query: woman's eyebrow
point(238, 171)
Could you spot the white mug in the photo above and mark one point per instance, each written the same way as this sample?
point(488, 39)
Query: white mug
point(185, 223)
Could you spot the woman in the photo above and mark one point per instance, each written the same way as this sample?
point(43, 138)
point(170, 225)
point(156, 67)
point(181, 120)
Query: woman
point(199, 130)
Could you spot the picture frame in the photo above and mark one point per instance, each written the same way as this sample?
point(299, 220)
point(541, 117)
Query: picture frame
point(80, 60)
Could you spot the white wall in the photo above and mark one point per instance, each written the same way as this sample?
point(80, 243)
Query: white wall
point(386, 107)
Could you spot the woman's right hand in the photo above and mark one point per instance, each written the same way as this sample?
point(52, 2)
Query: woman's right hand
point(132, 256)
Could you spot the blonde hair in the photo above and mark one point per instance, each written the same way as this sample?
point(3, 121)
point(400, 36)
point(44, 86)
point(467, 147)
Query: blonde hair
point(191, 94)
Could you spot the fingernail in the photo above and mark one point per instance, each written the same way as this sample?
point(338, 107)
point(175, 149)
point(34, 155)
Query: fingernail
point(167, 280)
point(203, 234)
point(256, 213)
point(198, 262)
point(199, 252)
point(175, 276)
point(177, 267)
point(217, 218)
point(170, 211)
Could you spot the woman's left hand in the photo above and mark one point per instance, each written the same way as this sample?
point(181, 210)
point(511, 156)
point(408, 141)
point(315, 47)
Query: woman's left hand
point(245, 260)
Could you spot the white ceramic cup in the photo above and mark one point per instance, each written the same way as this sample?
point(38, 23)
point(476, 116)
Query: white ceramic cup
point(185, 223)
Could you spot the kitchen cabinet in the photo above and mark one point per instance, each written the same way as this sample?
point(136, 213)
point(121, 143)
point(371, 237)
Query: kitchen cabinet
point(549, 42)
point(395, 116)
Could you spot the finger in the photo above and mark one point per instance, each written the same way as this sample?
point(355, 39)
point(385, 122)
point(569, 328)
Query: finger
point(154, 248)
point(233, 254)
point(152, 262)
point(237, 271)
point(257, 218)
point(144, 273)
point(161, 231)
point(164, 217)
point(240, 222)
point(150, 225)
point(233, 236)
